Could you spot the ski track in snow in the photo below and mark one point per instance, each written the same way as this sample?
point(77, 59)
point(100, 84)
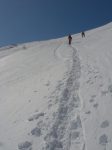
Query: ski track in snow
point(66, 131)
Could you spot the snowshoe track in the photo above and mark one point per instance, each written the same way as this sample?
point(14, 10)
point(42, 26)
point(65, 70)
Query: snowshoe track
point(66, 131)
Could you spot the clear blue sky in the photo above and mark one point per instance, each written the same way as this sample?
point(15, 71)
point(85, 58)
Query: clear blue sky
point(31, 20)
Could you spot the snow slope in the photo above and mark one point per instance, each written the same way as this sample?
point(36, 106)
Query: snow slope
point(57, 97)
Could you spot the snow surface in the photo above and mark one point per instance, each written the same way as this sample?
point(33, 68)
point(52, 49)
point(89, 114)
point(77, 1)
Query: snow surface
point(57, 97)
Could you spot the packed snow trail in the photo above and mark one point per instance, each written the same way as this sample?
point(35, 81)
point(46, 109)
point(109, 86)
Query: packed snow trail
point(66, 131)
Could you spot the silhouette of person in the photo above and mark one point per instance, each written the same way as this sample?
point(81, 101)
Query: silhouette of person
point(83, 34)
point(70, 39)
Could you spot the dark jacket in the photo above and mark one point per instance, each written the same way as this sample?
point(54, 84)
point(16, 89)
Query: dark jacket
point(70, 39)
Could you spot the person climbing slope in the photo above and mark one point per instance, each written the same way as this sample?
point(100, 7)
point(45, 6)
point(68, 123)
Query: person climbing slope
point(70, 39)
point(83, 34)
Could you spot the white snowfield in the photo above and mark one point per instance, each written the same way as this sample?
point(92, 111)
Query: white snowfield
point(57, 97)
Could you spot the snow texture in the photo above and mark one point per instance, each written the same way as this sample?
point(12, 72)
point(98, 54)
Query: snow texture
point(54, 96)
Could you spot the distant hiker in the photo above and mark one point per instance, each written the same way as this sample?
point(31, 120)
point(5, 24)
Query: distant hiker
point(70, 39)
point(83, 34)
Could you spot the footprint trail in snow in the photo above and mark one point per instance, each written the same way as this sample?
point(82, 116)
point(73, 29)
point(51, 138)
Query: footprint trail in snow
point(66, 131)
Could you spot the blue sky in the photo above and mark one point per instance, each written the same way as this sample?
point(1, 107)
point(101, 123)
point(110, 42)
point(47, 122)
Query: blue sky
point(32, 20)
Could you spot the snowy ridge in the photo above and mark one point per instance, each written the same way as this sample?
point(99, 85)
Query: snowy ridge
point(57, 97)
